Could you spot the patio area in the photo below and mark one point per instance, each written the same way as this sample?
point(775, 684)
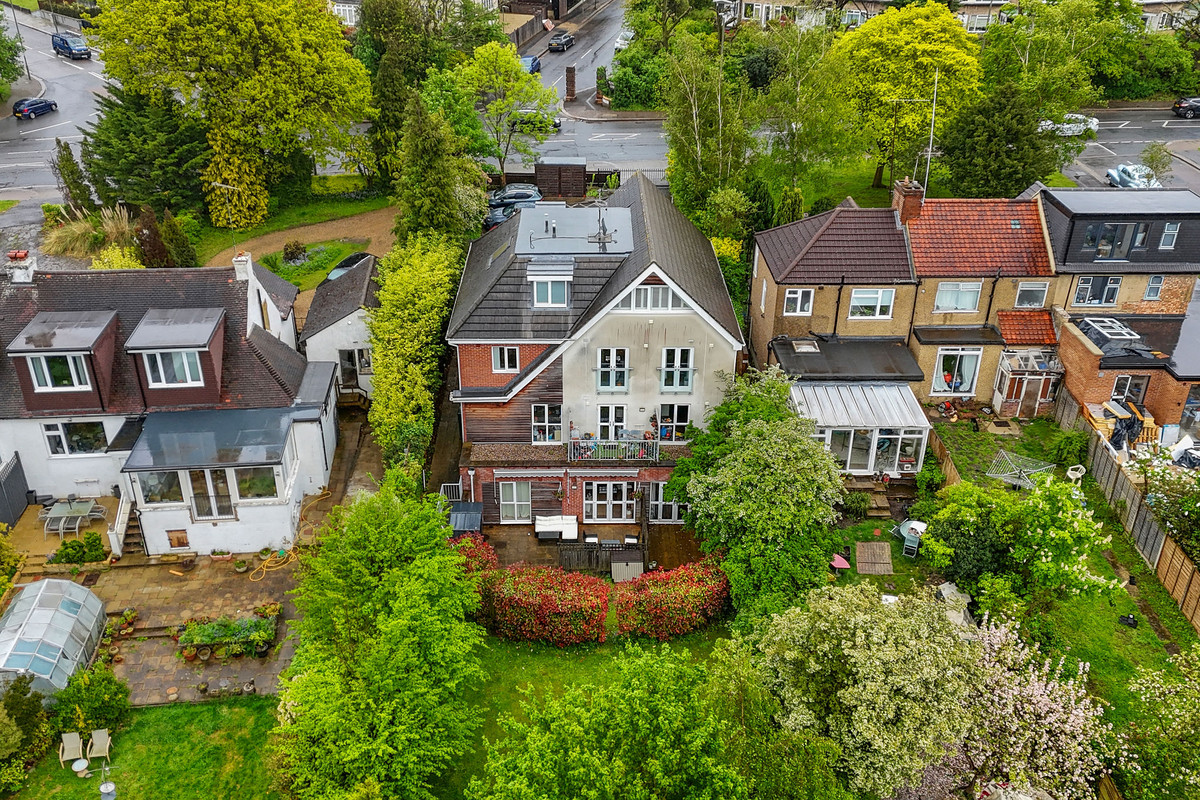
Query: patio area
point(29, 534)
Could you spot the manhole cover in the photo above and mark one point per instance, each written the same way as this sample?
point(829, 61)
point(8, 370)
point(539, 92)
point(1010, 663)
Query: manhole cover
point(90, 578)
point(1000, 423)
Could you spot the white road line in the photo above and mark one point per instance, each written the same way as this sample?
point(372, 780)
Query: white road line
point(1102, 147)
point(612, 137)
point(52, 138)
point(48, 127)
point(1119, 125)
point(582, 57)
point(41, 53)
point(38, 164)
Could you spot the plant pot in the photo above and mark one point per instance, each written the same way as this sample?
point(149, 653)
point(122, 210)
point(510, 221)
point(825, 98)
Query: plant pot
point(127, 631)
point(240, 567)
point(112, 651)
point(248, 688)
point(262, 650)
point(118, 659)
point(189, 654)
point(224, 557)
point(204, 653)
point(202, 687)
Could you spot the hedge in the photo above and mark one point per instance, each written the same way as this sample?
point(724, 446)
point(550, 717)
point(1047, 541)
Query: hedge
point(545, 604)
point(667, 603)
point(481, 556)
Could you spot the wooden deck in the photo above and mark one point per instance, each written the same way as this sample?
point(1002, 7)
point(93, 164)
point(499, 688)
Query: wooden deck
point(874, 558)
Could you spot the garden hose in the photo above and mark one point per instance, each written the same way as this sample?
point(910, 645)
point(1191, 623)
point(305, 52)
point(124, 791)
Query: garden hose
point(282, 557)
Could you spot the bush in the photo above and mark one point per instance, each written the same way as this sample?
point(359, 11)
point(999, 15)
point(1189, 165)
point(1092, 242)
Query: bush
point(74, 551)
point(546, 604)
point(929, 479)
point(94, 698)
point(481, 556)
point(53, 214)
point(668, 603)
point(116, 257)
point(190, 227)
point(1069, 448)
point(856, 504)
point(294, 252)
point(254, 630)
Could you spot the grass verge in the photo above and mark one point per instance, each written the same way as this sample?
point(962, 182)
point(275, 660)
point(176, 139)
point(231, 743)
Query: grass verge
point(1057, 180)
point(30, 5)
point(211, 749)
point(5, 205)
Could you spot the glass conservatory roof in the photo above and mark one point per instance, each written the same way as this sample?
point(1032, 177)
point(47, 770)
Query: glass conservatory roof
point(50, 629)
point(221, 438)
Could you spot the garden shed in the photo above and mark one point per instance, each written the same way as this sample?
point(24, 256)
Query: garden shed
point(50, 630)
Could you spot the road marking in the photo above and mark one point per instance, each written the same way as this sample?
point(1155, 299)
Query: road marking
point(582, 57)
point(557, 82)
point(38, 164)
point(1186, 123)
point(48, 127)
point(1119, 124)
point(612, 137)
point(40, 53)
point(52, 138)
point(1102, 147)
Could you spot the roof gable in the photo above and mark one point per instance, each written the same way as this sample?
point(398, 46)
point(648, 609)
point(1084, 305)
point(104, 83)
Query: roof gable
point(334, 300)
point(282, 293)
point(979, 237)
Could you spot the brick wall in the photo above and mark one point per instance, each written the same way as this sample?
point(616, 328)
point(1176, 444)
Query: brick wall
point(572, 502)
point(1173, 298)
point(475, 364)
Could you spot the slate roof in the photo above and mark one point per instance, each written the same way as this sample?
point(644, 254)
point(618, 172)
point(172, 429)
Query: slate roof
point(259, 375)
point(282, 294)
point(1027, 327)
point(979, 237)
point(859, 245)
point(494, 301)
point(334, 300)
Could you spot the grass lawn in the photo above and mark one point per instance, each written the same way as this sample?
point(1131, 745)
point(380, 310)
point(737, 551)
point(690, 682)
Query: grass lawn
point(5, 205)
point(207, 750)
point(1059, 181)
point(973, 451)
point(514, 666)
point(854, 180)
point(909, 573)
point(308, 275)
point(28, 4)
point(214, 240)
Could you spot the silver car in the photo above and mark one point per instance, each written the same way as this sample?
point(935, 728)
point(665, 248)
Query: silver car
point(1133, 176)
point(624, 38)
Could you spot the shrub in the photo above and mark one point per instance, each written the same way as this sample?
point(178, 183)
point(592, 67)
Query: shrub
point(116, 257)
point(93, 698)
point(190, 226)
point(821, 205)
point(74, 551)
point(294, 251)
point(668, 603)
point(856, 504)
point(1069, 448)
point(117, 224)
point(929, 479)
point(546, 604)
point(480, 556)
point(75, 236)
point(53, 214)
point(227, 630)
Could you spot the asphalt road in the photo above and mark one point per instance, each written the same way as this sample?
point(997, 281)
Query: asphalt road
point(595, 33)
point(1124, 134)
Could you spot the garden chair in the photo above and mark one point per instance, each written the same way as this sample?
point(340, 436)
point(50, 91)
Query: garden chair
point(44, 513)
point(53, 525)
point(71, 525)
point(70, 749)
point(100, 744)
point(98, 512)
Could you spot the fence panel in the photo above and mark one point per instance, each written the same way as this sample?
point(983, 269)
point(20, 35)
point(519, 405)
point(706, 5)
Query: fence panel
point(12, 490)
point(1066, 411)
point(943, 456)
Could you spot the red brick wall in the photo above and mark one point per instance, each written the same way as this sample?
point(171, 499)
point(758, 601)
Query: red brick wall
point(1087, 383)
point(1173, 299)
point(475, 364)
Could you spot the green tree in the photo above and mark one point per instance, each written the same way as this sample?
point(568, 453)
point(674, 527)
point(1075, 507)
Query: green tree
point(436, 190)
point(10, 58)
point(70, 178)
point(1157, 156)
point(154, 251)
point(517, 110)
point(287, 59)
point(727, 214)
point(993, 148)
point(971, 533)
point(649, 735)
point(178, 245)
point(790, 206)
point(443, 94)
point(886, 682)
point(1168, 727)
point(893, 59)
point(145, 153)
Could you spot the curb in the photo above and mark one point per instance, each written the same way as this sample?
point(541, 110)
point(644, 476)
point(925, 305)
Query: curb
point(614, 116)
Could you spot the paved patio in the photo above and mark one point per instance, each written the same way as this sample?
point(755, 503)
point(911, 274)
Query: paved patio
point(28, 534)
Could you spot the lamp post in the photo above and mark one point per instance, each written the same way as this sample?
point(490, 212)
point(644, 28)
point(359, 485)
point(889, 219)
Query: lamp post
point(21, 39)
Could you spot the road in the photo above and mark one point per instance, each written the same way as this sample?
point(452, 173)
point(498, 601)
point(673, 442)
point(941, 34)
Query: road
point(1124, 133)
point(595, 33)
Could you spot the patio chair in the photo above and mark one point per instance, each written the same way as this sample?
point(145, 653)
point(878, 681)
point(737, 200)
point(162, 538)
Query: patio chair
point(98, 512)
point(53, 525)
point(44, 513)
point(100, 744)
point(70, 749)
point(70, 525)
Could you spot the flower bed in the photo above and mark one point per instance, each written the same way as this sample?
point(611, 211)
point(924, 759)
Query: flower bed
point(546, 604)
point(668, 603)
point(258, 631)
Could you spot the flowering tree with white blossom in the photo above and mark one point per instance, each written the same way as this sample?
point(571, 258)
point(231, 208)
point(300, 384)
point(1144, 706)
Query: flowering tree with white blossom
point(1167, 737)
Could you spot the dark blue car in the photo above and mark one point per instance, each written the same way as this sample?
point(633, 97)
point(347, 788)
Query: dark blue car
point(71, 45)
point(32, 107)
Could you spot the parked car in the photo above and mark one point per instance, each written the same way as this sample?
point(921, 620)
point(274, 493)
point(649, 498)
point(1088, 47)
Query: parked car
point(531, 64)
point(496, 216)
point(624, 39)
point(530, 117)
point(560, 41)
point(1072, 125)
point(1186, 107)
point(514, 194)
point(31, 107)
point(1133, 176)
point(70, 44)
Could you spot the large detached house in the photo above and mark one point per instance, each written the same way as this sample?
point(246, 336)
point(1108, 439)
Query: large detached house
point(178, 390)
point(588, 339)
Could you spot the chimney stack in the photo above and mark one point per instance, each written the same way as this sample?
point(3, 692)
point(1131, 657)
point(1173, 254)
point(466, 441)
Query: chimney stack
point(907, 196)
point(241, 265)
point(21, 266)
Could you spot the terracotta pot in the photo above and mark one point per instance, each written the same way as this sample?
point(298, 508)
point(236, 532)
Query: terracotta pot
point(189, 655)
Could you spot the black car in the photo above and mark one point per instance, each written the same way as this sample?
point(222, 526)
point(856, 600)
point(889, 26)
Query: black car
point(31, 107)
point(514, 194)
point(70, 44)
point(1186, 107)
point(559, 42)
point(496, 216)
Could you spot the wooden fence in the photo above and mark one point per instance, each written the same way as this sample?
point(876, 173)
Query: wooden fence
point(938, 447)
point(1179, 575)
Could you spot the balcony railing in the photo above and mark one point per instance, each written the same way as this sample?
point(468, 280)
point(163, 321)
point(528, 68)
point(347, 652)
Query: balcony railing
point(604, 450)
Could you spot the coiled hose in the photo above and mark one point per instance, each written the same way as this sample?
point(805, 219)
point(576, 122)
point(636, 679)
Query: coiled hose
point(283, 558)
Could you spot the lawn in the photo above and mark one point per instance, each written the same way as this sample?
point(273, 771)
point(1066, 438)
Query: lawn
point(308, 275)
point(909, 573)
point(5, 205)
point(207, 750)
point(973, 451)
point(515, 666)
point(27, 4)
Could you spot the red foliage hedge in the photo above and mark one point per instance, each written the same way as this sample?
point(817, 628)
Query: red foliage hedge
point(667, 603)
point(546, 604)
point(480, 555)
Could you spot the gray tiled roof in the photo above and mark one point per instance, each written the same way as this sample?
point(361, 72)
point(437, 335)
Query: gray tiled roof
point(251, 377)
point(282, 294)
point(336, 299)
point(860, 245)
point(284, 364)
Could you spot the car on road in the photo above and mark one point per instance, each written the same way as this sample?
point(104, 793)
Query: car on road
point(529, 119)
point(71, 45)
point(624, 39)
point(1133, 176)
point(560, 41)
point(1071, 125)
point(531, 64)
point(1186, 107)
point(496, 216)
point(514, 194)
point(31, 107)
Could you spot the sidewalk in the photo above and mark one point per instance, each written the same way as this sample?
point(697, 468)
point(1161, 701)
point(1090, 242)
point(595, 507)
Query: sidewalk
point(27, 87)
point(585, 109)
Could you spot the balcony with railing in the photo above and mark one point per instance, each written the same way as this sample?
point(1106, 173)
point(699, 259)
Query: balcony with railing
point(612, 450)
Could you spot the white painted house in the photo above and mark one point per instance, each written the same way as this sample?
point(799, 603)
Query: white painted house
point(336, 327)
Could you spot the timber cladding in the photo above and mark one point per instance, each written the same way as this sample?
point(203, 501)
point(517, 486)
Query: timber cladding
point(543, 502)
point(1180, 577)
point(512, 421)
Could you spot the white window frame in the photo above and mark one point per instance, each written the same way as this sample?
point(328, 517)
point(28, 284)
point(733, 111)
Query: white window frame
point(1153, 288)
point(237, 493)
point(960, 352)
point(183, 498)
point(797, 296)
point(664, 512)
point(1169, 236)
point(1128, 381)
point(552, 431)
point(626, 504)
point(506, 359)
point(676, 429)
point(212, 496)
point(515, 509)
point(676, 376)
point(77, 365)
point(1032, 286)
point(612, 379)
point(653, 298)
point(549, 301)
point(877, 301)
point(610, 421)
point(958, 288)
point(58, 430)
point(153, 362)
point(1112, 284)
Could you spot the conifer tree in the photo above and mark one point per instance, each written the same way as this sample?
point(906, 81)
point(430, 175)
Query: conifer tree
point(790, 206)
point(154, 252)
point(177, 243)
point(70, 178)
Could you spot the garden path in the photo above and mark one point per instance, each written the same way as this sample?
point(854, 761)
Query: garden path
point(374, 225)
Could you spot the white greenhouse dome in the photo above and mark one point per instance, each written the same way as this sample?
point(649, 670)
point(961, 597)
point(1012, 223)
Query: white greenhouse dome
point(50, 629)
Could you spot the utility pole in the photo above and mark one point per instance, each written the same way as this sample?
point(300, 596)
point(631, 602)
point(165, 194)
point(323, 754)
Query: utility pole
point(21, 40)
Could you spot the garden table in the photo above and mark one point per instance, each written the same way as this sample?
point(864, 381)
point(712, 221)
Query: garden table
point(80, 765)
point(56, 520)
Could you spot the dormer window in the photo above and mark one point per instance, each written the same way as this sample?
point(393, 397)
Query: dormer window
point(173, 368)
point(59, 373)
point(551, 293)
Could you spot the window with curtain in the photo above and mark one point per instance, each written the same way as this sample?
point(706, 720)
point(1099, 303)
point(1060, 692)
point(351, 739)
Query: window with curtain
point(957, 370)
point(957, 296)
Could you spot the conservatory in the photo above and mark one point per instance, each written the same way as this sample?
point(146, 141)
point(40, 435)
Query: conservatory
point(867, 427)
point(50, 630)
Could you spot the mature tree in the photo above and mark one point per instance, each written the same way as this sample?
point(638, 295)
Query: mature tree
point(178, 245)
point(1157, 156)
point(437, 190)
point(10, 58)
point(443, 94)
point(886, 682)
point(72, 184)
point(374, 700)
point(727, 214)
point(517, 110)
point(658, 19)
point(1164, 740)
point(893, 60)
point(708, 123)
point(266, 78)
point(790, 206)
point(145, 153)
point(972, 532)
point(993, 148)
point(648, 735)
